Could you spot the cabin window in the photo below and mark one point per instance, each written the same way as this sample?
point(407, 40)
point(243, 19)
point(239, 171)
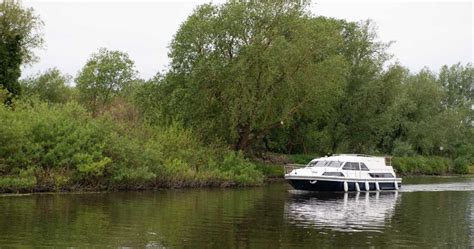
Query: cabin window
point(351, 166)
point(334, 164)
point(363, 167)
point(381, 175)
point(317, 164)
point(333, 174)
point(312, 164)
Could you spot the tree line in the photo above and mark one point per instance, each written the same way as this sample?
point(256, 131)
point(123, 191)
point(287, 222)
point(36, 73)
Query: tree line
point(274, 77)
point(258, 77)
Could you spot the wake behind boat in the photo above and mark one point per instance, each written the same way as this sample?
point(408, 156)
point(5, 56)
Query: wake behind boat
point(344, 172)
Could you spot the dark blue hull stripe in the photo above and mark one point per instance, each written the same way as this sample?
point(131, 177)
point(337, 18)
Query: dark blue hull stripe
point(338, 186)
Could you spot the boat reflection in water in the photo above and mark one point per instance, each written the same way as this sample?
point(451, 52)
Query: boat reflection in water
point(351, 212)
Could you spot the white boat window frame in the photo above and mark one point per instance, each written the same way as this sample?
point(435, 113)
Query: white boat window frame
point(363, 167)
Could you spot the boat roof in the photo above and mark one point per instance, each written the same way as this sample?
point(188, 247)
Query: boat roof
point(351, 157)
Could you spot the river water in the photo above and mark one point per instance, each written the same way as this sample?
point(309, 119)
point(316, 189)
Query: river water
point(427, 212)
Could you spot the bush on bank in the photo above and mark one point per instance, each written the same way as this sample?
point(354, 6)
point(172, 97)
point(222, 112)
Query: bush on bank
point(61, 147)
point(426, 165)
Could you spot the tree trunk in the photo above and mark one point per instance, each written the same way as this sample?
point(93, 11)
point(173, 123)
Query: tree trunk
point(244, 139)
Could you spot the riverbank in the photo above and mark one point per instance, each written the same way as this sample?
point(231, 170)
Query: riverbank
point(64, 148)
point(266, 169)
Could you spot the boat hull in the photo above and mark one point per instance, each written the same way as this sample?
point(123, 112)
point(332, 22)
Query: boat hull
point(328, 185)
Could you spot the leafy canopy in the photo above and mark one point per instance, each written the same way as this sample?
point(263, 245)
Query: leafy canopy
point(240, 69)
point(106, 74)
point(50, 86)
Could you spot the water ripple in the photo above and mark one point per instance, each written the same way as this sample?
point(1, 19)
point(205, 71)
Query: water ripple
point(453, 186)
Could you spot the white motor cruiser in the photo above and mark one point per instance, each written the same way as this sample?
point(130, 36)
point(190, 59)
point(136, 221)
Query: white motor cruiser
point(344, 172)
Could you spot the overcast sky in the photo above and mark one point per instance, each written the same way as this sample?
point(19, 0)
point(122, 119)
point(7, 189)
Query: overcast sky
point(425, 33)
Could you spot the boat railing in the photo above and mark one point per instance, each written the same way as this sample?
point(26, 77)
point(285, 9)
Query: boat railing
point(290, 167)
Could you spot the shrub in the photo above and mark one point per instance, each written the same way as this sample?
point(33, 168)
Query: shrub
point(402, 148)
point(23, 181)
point(133, 164)
point(461, 165)
point(56, 140)
point(269, 170)
point(432, 165)
point(466, 151)
point(301, 158)
point(240, 169)
point(66, 148)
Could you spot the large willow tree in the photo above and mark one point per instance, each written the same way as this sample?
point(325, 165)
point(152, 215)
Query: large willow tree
point(241, 69)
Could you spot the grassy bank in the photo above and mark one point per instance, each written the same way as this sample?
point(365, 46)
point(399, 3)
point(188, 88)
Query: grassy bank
point(61, 147)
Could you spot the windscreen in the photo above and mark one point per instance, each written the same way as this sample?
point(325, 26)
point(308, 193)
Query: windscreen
point(335, 164)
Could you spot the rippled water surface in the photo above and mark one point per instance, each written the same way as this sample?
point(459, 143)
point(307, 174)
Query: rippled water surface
point(427, 212)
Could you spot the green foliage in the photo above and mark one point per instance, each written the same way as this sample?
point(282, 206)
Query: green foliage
point(228, 79)
point(464, 162)
point(23, 181)
point(234, 165)
point(457, 80)
point(63, 147)
point(50, 86)
point(105, 75)
point(424, 123)
point(147, 98)
point(227, 82)
point(301, 158)
point(364, 113)
point(19, 32)
point(416, 165)
point(466, 151)
point(4, 95)
point(461, 165)
point(402, 148)
point(270, 170)
point(53, 139)
point(131, 161)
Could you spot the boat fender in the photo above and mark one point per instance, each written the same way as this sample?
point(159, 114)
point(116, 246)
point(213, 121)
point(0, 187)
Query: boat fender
point(313, 182)
point(357, 186)
point(346, 186)
point(377, 186)
point(367, 186)
point(396, 185)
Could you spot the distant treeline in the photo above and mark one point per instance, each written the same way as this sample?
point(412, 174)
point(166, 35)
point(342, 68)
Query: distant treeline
point(251, 77)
